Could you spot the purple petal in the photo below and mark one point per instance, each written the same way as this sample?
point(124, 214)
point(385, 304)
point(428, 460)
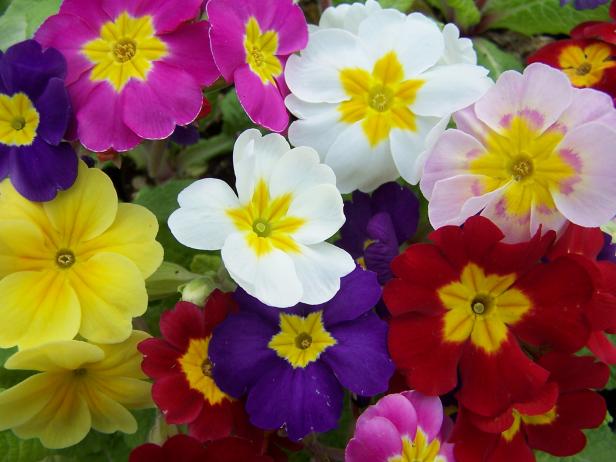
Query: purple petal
point(402, 205)
point(55, 112)
point(378, 255)
point(250, 304)
point(608, 252)
point(26, 68)
point(40, 170)
point(304, 400)
point(429, 411)
point(5, 160)
point(185, 135)
point(353, 232)
point(360, 358)
point(239, 352)
point(359, 292)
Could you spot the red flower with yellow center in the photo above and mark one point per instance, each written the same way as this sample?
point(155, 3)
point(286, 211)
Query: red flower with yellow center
point(183, 385)
point(552, 421)
point(589, 63)
point(472, 305)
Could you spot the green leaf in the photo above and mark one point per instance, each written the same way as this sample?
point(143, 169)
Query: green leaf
point(145, 421)
point(162, 200)
point(601, 447)
point(493, 58)
point(192, 162)
point(466, 13)
point(9, 377)
point(13, 449)
point(234, 117)
point(167, 279)
point(22, 18)
point(402, 5)
point(538, 16)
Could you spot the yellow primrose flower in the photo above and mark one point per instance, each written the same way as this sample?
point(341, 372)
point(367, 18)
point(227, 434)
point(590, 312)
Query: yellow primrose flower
point(80, 386)
point(75, 265)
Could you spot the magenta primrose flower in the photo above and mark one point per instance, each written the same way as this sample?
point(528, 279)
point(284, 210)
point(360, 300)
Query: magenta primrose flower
point(135, 68)
point(402, 427)
point(251, 41)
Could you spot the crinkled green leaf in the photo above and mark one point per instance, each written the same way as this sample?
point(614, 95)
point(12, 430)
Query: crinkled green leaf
point(13, 449)
point(466, 13)
point(234, 117)
point(493, 58)
point(538, 16)
point(22, 18)
point(601, 447)
point(162, 200)
point(402, 5)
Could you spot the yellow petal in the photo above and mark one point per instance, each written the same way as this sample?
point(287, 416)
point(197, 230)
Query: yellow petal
point(56, 356)
point(36, 308)
point(111, 291)
point(13, 206)
point(63, 422)
point(86, 210)
point(23, 247)
point(122, 359)
point(108, 416)
point(26, 399)
point(132, 234)
point(388, 69)
point(130, 392)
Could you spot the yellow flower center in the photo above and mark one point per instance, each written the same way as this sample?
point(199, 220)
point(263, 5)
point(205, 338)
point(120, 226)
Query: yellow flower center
point(380, 99)
point(19, 120)
point(198, 371)
point(125, 50)
point(480, 306)
point(585, 66)
point(301, 340)
point(261, 48)
point(519, 418)
point(80, 372)
point(265, 221)
point(65, 259)
point(418, 450)
point(531, 159)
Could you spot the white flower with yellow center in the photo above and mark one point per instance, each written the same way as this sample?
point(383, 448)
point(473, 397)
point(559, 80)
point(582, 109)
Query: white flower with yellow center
point(372, 102)
point(272, 233)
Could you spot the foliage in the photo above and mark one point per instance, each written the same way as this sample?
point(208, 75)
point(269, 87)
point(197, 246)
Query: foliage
point(22, 18)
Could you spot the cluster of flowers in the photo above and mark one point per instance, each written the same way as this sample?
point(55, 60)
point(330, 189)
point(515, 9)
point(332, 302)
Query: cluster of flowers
point(488, 314)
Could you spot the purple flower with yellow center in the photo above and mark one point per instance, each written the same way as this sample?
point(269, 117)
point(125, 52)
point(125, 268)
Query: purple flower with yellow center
point(34, 115)
point(251, 41)
point(377, 225)
point(135, 68)
point(293, 364)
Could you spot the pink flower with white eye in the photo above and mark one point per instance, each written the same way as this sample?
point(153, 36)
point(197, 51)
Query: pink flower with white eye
point(251, 41)
point(532, 152)
point(404, 427)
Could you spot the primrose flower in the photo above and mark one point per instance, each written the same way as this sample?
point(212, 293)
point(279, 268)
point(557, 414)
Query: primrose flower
point(34, 116)
point(533, 152)
point(251, 41)
point(293, 364)
point(135, 68)
point(75, 265)
point(403, 427)
point(183, 386)
point(273, 236)
point(371, 103)
point(79, 386)
point(584, 4)
point(552, 421)
point(461, 305)
point(376, 226)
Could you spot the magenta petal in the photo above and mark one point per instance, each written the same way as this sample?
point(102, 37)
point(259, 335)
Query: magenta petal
point(91, 11)
point(168, 15)
point(190, 50)
point(380, 438)
point(429, 411)
point(397, 409)
point(100, 125)
point(168, 97)
point(290, 24)
point(114, 8)
point(263, 103)
point(227, 36)
point(53, 33)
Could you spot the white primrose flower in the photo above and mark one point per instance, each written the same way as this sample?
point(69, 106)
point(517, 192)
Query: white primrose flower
point(373, 103)
point(272, 233)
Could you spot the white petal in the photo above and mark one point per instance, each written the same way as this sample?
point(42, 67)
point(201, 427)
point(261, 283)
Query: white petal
point(457, 50)
point(450, 88)
point(254, 157)
point(314, 76)
point(416, 40)
point(409, 148)
point(348, 17)
point(201, 222)
point(357, 165)
point(298, 170)
point(319, 268)
point(321, 208)
point(271, 277)
point(588, 105)
point(318, 127)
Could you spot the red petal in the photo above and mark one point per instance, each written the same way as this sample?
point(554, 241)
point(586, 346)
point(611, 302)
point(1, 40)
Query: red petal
point(575, 372)
point(493, 382)
point(557, 290)
point(218, 306)
point(182, 448)
point(516, 450)
point(214, 422)
point(558, 440)
point(424, 265)
point(147, 453)
point(234, 450)
point(182, 323)
point(159, 358)
point(581, 409)
point(602, 347)
point(517, 258)
point(403, 296)
point(587, 242)
point(417, 348)
point(176, 400)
